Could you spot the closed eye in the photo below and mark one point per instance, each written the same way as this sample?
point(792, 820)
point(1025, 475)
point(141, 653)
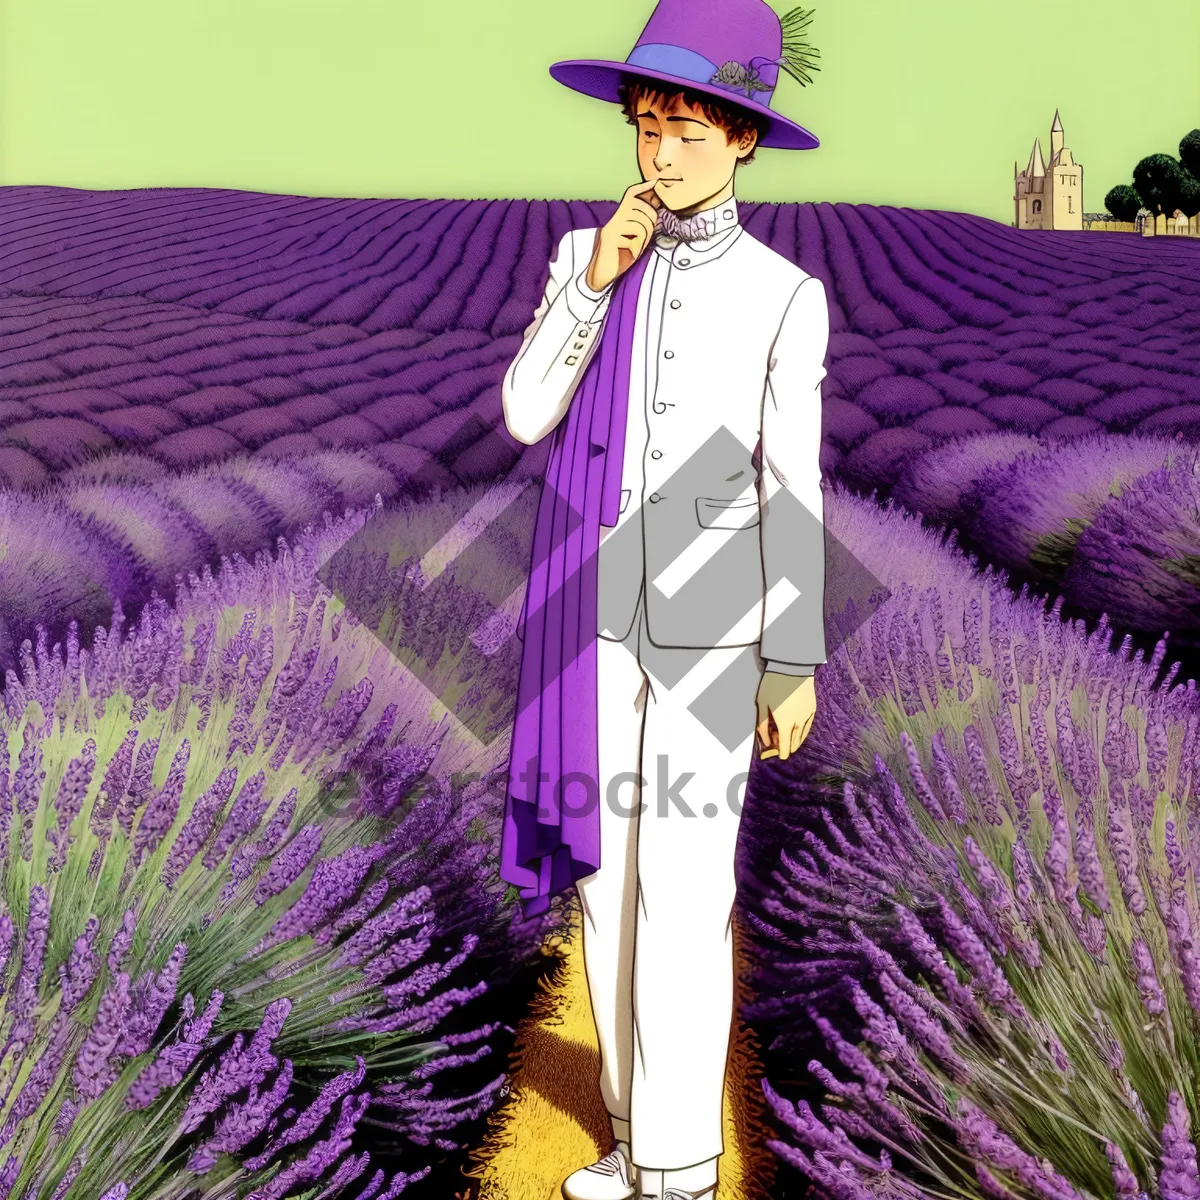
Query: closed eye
point(691, 139)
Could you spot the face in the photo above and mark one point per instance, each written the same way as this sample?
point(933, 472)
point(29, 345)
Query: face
point(687, 158)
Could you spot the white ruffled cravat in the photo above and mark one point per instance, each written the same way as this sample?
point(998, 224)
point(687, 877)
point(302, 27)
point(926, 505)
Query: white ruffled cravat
point(685, 229)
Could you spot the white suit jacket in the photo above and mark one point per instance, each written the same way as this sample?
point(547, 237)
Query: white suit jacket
point(728, 528)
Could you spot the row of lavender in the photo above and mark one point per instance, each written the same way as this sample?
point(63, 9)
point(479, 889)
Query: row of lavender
point(122, 526)
point(195, 324)
point(1109, 522)
point(250, 908)
point(989, 911)
point(1012, 850)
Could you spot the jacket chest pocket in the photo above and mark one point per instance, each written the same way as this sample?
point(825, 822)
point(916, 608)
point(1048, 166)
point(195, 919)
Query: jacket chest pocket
point(715, 513)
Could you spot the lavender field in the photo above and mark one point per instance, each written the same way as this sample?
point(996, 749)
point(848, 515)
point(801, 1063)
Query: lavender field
point(197, 323)
point(253, 943)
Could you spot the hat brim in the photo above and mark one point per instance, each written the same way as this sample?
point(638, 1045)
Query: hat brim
point(600, 78)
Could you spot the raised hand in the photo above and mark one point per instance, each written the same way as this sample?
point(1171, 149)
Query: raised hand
point(620, 242)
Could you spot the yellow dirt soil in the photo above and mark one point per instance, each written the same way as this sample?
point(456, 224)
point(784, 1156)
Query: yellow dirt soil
point(554, 1122)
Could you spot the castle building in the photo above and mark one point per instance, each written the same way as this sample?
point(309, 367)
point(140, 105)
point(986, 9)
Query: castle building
point(1049, 195)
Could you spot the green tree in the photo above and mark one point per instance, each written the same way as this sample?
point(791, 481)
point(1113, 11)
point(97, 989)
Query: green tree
point(1161, 181)
point(1189, 153)
point(1123, 202)
point(1190, 204)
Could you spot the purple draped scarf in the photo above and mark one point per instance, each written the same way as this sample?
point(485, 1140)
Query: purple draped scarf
point(551, 832)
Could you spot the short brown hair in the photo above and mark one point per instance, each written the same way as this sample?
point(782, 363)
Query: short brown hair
point(735, 120)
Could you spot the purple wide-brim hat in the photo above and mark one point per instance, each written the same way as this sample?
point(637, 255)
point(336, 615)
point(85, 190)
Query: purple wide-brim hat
point(694, 43)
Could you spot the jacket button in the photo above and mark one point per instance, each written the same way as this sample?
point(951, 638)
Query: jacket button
point(674, 303)
point(656, 454)
point(668, 354)
point(572, 360)
point(727, 214)
point(683, 262)
point(654, 497)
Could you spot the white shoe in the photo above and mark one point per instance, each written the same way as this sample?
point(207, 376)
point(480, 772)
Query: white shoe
point(609, 1179)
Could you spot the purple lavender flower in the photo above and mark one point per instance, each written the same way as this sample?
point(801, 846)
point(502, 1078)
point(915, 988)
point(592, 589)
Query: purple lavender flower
point(8, 1176)
point(929, 956)
point(1091, 873)
point(38, 1082)
point(199, 826)
point(69, 1177)
point(1025, 881)
point(1058, 855)
point(374, 934)
point(1120, 842)
point(323, 1155)
point(991, 1186)
point(1125, 1183)
point(928, 1031)
point(981, 778)
point(166, 1071)
point(244, 817)
point(27, 786)
point(313, 1116)
point(921, 785)
point(952, 799)
point(33, 954)
point(6, 803)
point(242, 1122)
point(138, 790)
point(1178, 1178)
point(91, 1073)
point(161, 811)
point(79, 972)
point(149, 1000)
point(242, 1066)
point(334, 883)
point(69, 803)
point(121, 941)
point(971, 952)
point(6, 945)
point(113, 785)
point(289, 864)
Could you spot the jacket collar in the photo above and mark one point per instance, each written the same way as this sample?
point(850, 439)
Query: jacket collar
point(726, 226)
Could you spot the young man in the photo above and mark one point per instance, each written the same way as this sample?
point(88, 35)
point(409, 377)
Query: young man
point(675, 602)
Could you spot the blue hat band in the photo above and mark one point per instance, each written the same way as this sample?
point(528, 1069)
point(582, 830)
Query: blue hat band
point(688, 64)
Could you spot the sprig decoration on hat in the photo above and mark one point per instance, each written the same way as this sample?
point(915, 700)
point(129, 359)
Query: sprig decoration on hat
point(796, 59)
point(798, 55)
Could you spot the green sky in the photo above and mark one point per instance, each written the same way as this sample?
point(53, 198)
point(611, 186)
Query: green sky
point(924, 104)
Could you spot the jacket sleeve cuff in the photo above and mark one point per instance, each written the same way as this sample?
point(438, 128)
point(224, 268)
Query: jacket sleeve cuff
point(786, 668)
point(583, 303)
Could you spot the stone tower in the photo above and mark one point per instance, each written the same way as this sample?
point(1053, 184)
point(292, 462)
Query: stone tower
point(1049, 195)
point(1056, 137)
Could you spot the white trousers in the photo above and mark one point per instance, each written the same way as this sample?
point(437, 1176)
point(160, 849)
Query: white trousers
point(657, 915)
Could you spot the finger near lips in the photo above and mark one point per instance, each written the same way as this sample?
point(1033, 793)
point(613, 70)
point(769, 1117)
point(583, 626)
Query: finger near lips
point(642, 189)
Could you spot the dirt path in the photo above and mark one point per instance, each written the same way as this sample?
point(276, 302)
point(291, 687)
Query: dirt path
point(554, 1120)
